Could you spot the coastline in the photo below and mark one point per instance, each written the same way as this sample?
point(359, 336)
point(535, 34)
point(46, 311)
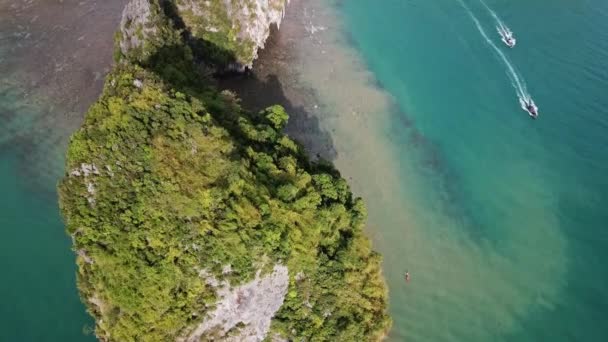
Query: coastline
point(340, 113)
point(336, 106)
point(462, 282)
point(76, 78)
point(415, 219)
point(274, 80)
point(322, 195)
point(419, 212)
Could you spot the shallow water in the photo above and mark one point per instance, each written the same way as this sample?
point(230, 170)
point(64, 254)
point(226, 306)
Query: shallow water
point(498, 218)
point(40, 302)
point(505, 234)
point(53, 55)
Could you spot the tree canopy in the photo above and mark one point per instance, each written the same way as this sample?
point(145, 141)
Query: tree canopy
point(168, 178)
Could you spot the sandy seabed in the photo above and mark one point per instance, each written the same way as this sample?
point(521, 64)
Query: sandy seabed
point(341, 113)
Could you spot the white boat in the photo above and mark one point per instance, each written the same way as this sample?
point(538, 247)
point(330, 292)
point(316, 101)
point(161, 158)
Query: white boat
point(530, 107)
point(507, 36)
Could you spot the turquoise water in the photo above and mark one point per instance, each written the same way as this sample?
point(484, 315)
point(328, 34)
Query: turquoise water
point(505, 223)
point(52, 60)
point(500, 219)
point(40, 302)
point(38, 287)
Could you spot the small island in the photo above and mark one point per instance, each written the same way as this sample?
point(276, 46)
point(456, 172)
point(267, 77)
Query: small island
point(195, 219)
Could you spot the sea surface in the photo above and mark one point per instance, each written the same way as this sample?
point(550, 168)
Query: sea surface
point(53, 57)
point(505, 226)
point(500, 219)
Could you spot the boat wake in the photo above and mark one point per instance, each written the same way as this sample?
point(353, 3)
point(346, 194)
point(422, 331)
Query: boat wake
point(516, 80)
point(526, 103)
point(506, 36)
point(504, 31)
point(502, 28)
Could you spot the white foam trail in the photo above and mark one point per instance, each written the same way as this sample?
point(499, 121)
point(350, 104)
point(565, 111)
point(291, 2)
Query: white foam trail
point(516, 80)
point(504, 32)
point(500, 23)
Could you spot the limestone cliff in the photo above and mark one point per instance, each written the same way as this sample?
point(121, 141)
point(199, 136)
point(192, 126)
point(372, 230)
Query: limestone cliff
point(243, 313)
point(143, 29)
point(234, 30)
point(135, 25)
point(237, 26)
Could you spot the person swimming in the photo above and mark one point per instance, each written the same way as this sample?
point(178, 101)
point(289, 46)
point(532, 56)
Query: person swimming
point(407, 276)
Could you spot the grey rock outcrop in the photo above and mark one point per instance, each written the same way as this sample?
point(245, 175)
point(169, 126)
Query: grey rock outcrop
point(136, 26)
point(233, 29)
point(244, 313)
point(238, 27)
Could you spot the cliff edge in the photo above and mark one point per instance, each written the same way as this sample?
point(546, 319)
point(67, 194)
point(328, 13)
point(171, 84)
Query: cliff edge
point(230, 32)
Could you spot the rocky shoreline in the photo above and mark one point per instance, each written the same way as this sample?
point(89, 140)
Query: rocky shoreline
point(272, 80)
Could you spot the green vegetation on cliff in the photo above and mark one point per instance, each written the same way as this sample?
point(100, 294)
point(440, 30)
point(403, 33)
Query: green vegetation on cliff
point(230, 32)
point(236, 26)
point(168, 179)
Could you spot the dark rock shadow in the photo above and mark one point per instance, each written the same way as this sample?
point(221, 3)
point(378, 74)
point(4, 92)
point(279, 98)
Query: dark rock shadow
point(303, 126)
point(260, 88)
point(203, 51)
point(192, 75)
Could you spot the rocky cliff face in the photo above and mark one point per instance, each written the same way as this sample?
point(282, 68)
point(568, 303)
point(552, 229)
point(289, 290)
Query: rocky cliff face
point(135, 25)
point(232, 29)
point(240, 27)
point(138, 35)
point(243, 313)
